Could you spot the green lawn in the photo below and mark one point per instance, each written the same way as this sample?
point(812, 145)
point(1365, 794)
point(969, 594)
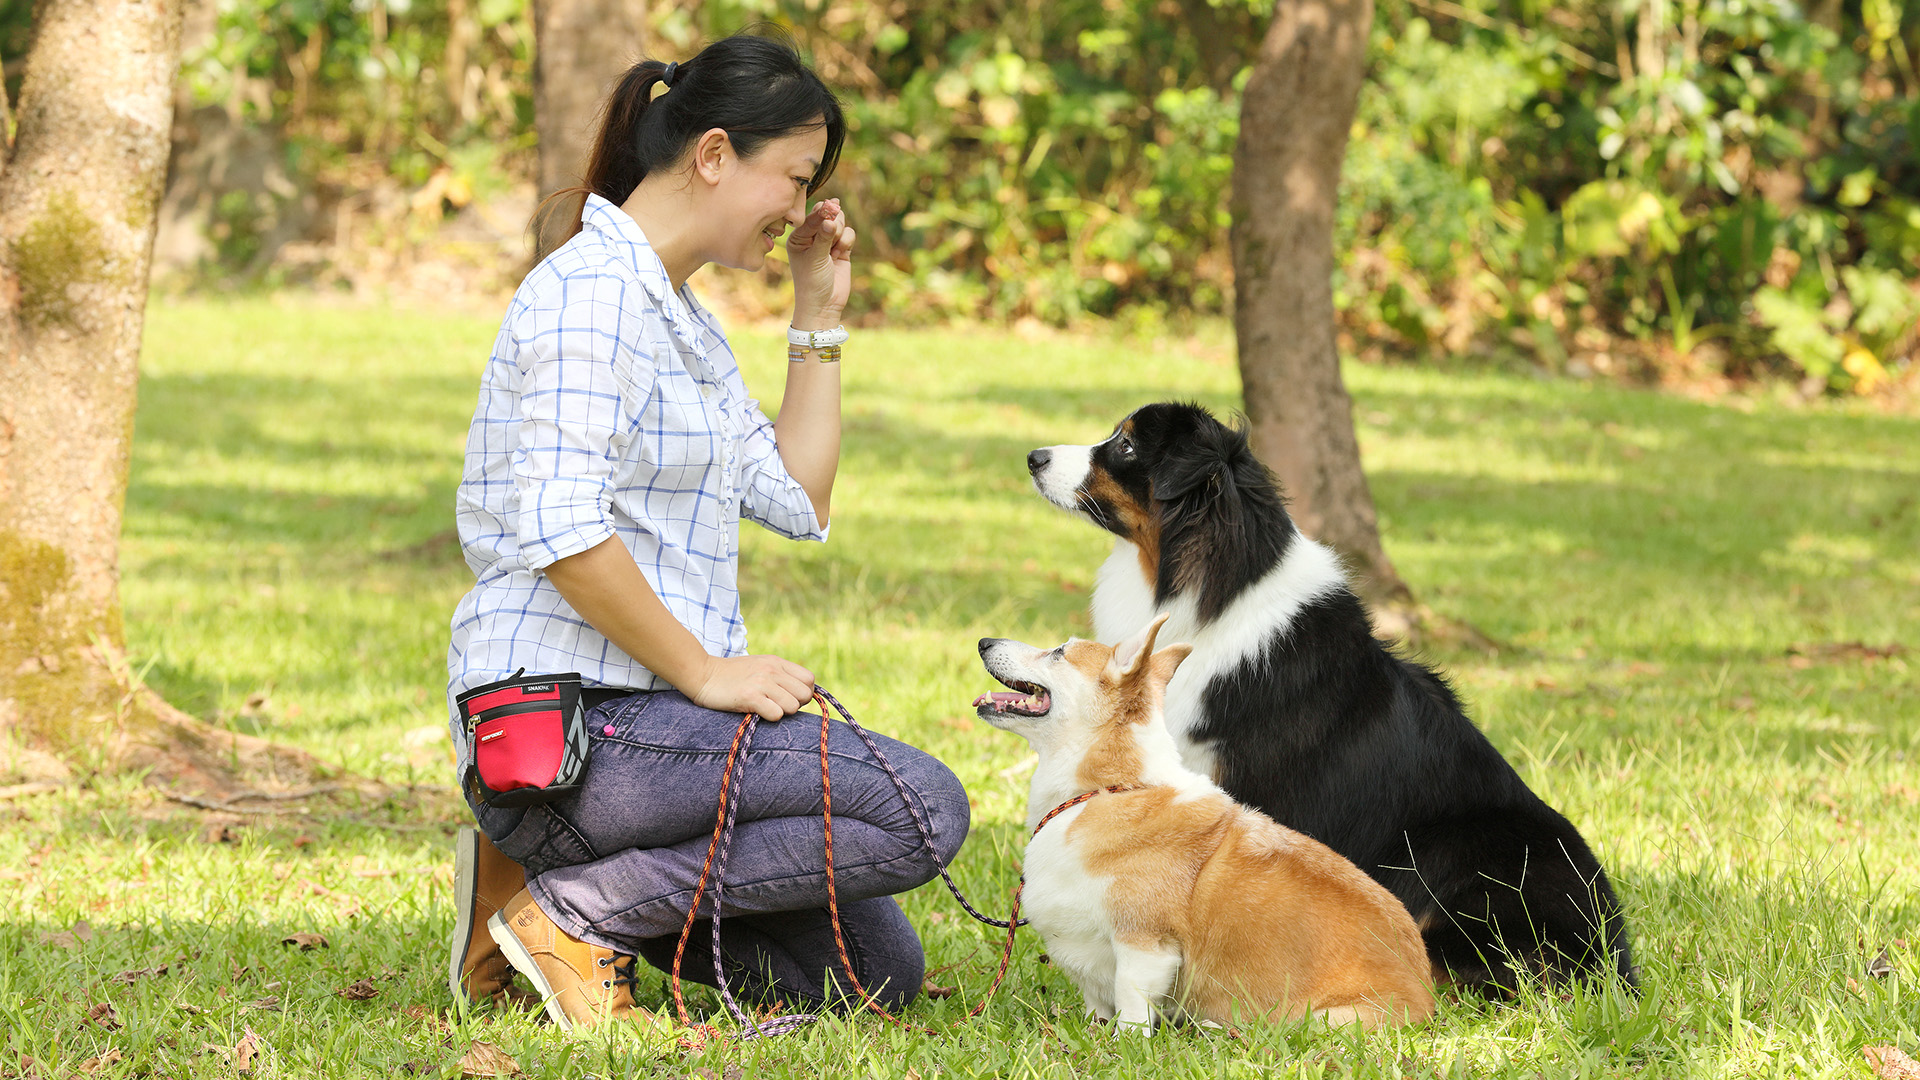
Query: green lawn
point(1695, 601)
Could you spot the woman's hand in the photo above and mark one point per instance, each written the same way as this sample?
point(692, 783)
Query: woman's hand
point(820, 253)
point(764, 685)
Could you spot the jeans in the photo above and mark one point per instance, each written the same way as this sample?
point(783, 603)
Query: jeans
point(615, 863)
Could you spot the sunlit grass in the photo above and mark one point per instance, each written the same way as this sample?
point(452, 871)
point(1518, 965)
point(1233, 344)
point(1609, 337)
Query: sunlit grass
point(1694, 603)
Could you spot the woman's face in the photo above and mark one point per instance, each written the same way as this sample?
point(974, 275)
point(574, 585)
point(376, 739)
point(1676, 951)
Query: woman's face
point(760, 196)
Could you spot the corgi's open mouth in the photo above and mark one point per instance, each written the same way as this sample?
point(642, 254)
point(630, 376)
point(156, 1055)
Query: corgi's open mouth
point(1027, 700)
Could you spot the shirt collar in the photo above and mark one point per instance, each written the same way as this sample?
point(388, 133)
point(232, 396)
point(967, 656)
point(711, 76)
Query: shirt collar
point(624, 234)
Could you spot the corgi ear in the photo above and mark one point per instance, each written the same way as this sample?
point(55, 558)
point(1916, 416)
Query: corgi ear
point(1167, 661)
point(1130, 656)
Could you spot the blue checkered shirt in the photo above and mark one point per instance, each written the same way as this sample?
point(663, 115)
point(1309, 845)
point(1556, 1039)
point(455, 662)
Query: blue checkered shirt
point(611, 406)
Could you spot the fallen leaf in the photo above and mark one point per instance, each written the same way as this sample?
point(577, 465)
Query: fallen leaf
point(306, 940)
point(217, 832)
point(1853, 984)
point(128, 978)
point(1891, 1063)
point(190, 1010)
point(104, 1015)
point(245, 1051)
point(265, 1004)
point(360, 991)
point(95, 1064)
point(937, 992)
point(486, 1059)
point(424, 1015)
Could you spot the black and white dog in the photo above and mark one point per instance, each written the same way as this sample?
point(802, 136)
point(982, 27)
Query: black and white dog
point(1292, 705)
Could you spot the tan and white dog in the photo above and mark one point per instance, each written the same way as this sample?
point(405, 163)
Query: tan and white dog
point(1164, 899)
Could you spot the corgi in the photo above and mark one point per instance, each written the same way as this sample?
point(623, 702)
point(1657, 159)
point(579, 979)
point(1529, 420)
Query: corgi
point(1162, 898)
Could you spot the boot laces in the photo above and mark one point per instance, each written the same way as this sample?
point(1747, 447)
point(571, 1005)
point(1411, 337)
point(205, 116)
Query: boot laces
point(623, 971)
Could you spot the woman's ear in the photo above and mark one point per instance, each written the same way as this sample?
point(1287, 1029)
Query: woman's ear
point(712, 154)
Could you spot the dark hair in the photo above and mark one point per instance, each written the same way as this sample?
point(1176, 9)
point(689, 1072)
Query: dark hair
point(753, 86)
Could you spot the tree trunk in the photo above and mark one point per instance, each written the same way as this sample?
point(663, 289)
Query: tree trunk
point(1294, 116)
point(581, 48)
point(77, 202)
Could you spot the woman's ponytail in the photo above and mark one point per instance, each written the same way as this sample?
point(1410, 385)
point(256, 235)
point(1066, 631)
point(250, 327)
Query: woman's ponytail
point(613, 169)
point(751, 86)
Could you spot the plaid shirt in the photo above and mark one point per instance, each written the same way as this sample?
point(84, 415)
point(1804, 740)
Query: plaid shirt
point(611, 406)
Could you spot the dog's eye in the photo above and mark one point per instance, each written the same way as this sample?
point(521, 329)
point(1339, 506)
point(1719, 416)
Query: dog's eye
point(1125, 447)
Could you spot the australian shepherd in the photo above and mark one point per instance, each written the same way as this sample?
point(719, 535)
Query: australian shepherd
point(1292, 706)
point(1161, 897)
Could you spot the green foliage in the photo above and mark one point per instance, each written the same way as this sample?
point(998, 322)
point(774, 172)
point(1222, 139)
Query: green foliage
point(1673, 170)
point(1683, 175)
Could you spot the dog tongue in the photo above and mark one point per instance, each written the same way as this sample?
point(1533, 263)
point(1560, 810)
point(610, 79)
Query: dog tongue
point(999, 699)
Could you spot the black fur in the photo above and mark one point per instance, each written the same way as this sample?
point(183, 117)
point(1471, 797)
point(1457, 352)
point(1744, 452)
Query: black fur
point(1332, 734)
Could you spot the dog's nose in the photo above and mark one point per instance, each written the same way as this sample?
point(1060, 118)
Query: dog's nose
point(985, 644)
point(1037, 460)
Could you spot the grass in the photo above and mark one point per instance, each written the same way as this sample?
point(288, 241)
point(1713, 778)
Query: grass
point(1694, 600)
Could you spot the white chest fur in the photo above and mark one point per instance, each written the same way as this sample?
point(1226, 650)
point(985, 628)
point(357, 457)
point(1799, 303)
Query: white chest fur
point(1068, 907)
point(1123, 603)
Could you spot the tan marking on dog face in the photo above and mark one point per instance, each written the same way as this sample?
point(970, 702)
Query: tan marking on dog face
point(1141, 523)
point(1269, 922)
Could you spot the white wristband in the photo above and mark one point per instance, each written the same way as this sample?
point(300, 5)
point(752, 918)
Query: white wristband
point(814, 339)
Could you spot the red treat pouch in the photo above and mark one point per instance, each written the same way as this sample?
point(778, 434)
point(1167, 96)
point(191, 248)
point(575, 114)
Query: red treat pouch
point(526, 738)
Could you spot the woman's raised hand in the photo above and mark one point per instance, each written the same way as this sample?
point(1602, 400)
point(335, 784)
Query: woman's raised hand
point(766, 686)
point(820, 253)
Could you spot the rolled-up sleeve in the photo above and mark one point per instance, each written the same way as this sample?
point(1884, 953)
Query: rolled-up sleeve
point(582, 385)
point(770, 495)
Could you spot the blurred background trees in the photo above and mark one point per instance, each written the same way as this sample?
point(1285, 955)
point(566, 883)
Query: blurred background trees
point(1679, 189)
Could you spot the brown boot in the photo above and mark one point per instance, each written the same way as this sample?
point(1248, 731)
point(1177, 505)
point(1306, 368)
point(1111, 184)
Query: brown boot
point(483, 879)
point(582, 984)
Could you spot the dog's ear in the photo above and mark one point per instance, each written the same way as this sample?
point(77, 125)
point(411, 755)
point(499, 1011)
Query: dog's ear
point(1179, 473)
point(1131, 655)
point(1214, 454)
point(1167, 661)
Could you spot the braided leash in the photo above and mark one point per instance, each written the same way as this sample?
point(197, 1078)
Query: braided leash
point(714, 865)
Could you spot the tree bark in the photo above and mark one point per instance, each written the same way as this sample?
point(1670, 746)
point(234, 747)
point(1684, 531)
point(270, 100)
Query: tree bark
point(1219, 33)
point(581, 48)
point(77, 218)
point(1294, 117)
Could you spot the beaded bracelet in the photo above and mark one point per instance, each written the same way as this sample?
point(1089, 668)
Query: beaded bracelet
point(827, 354)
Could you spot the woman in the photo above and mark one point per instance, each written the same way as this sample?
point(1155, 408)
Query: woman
point(611, 457)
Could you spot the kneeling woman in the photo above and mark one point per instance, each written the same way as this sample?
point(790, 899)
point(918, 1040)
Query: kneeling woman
point(614, 451)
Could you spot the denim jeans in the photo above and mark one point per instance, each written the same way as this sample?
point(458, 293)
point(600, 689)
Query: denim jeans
point(615, 864)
